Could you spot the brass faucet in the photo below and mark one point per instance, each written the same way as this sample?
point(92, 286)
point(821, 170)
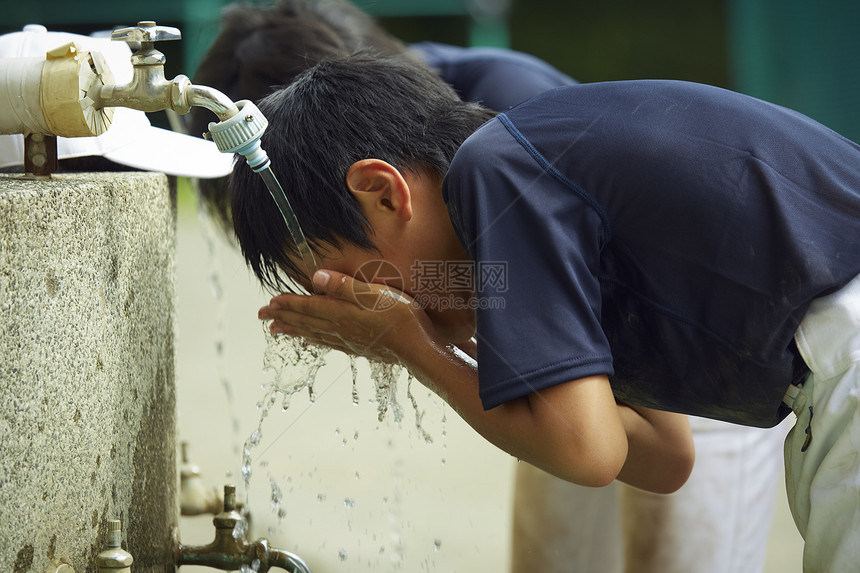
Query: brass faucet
point(194, 497)
point(230, 551)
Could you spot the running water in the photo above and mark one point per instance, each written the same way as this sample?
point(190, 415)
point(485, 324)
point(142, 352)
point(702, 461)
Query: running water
point(419, 415)
point(385, 378)
point(294, 364)
point(353, 368)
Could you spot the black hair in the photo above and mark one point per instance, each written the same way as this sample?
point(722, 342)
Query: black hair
point(262, 48)
point(341, 111)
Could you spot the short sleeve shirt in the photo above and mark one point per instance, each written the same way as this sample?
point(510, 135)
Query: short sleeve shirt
point(668, 234)
point(497, 78)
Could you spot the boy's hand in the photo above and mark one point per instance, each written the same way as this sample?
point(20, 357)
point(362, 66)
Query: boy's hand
point(364, 319)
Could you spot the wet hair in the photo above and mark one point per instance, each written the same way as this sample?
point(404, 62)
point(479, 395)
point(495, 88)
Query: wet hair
point(341, 111)
point(260, 49)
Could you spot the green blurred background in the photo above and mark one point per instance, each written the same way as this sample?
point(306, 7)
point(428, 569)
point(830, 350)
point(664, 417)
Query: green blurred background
point(797, 53)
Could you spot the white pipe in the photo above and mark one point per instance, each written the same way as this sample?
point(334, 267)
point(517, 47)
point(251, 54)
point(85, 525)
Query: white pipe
point(20, 79)
point(50, 96)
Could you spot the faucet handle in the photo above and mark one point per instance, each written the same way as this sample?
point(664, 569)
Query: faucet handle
point(229, 498)
point(229, 518)
point(145, 31)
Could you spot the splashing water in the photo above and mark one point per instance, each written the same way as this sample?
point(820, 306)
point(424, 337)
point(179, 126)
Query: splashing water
point(277, 498)
point(419, 415)
point(294, 363)
point(385, 378)
point(353, 368)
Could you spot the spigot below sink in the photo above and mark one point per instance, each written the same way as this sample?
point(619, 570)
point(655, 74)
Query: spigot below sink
point(230, 551)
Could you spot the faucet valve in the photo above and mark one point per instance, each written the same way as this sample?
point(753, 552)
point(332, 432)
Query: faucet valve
point(229, 518)
point(230, 550)
point(114, 558)
point(146, 33)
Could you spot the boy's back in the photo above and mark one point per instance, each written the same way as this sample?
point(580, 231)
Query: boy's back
point(665, 224)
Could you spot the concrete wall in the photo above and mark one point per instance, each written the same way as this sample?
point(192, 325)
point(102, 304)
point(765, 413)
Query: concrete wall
point(87, 400)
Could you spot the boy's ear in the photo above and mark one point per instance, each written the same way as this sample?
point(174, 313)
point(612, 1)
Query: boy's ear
point(379, 188)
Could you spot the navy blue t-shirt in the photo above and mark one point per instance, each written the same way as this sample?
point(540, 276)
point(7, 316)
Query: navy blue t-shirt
point(497, 78)
point(668, 234)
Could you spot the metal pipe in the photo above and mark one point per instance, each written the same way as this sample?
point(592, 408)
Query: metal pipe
point(150, 91)
point(213, 100)
point(288, 561)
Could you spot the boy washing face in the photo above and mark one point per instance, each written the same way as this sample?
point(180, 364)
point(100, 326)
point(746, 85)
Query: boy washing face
point(373, 192)
point(669, 237)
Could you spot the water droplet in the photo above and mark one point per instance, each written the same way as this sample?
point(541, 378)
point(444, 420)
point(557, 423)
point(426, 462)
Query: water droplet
point(277, 497)
point(240, 529)
point(321, 497)
point(342, 555)
point(437, 545)
point(348, 502)
point(215, 285)
point(354, 369)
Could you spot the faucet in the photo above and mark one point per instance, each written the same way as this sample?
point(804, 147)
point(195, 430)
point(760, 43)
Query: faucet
point(81, 96)
point(230, 551)
point(148, 89)
point(114, 559)
point(194, 497)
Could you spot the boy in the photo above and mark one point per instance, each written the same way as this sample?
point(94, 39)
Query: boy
point(719, 521)
point(667, 236)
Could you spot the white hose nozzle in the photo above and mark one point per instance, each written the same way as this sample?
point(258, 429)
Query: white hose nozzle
point(241, 134)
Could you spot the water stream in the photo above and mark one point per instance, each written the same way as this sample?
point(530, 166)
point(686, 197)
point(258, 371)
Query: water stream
point(294, 364)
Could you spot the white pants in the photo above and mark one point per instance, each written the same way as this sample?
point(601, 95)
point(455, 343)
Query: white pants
point(717, 522)
point(823, 475)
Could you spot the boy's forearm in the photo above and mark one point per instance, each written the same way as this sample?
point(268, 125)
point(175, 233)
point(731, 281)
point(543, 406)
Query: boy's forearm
point(661, 451)
point(575, 430)
point(544, 429)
